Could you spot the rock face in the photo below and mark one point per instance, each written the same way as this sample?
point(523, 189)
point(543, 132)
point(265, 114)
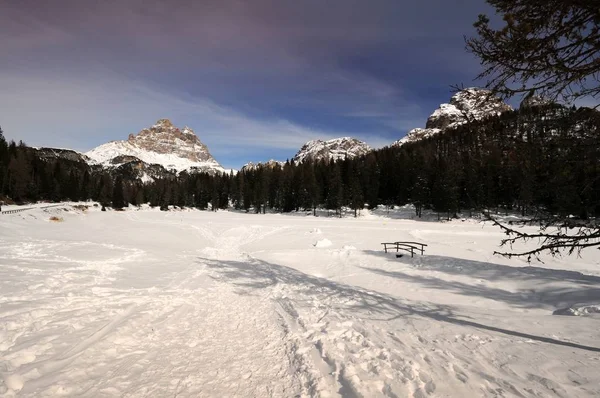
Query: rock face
point(336, 149)
point(162, 144)
point(56, 153)
point(531, 101)
point(134, 169)
point(271, 164)
point(416, 135)
point(466, 105)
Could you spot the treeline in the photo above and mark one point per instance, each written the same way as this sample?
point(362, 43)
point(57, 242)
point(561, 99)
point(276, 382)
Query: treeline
point(538, 158)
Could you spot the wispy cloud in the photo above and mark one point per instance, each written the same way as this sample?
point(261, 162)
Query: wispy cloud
point(78, 113)
point(251, 78)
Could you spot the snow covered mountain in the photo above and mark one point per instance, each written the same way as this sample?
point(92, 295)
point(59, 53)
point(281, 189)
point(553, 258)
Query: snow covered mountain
point(162, 144)
point(60, 153)
point(532, 100)
point(269, 164)
point(336, 149)
point(316, 150)
point(416, 135)
point(466, 105)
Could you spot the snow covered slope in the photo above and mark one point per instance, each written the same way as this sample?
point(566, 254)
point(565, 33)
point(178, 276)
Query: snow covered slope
point(336, 149)
point(59, 153)
point(416, 135)
point(468, 104)
point(162, 144)
point(269, 164)
point(532, 100)
point(235, 305)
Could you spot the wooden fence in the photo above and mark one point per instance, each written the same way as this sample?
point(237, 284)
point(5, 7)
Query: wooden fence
point(13, 211)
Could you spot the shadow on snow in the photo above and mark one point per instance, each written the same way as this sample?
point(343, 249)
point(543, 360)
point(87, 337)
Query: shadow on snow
point(568, 287)
point(253, 274)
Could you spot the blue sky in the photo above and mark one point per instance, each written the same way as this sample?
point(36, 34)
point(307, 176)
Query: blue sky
point(254, 79)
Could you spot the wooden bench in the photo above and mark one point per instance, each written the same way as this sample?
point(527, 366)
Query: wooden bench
point(411, 247)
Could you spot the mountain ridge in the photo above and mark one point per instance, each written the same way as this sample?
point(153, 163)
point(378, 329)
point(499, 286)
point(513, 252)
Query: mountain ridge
point(334, 149)
point(162, 144)
point(469, 104)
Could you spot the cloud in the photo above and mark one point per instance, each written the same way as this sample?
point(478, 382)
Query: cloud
point(249, 77)
point(80, 114)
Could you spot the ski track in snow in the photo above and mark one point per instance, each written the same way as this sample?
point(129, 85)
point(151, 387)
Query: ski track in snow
point(200, 304)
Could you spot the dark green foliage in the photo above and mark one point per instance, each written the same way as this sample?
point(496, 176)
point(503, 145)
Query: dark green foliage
point(335, 189)
point(531, 160)
point(118, 199)
point(547, 47)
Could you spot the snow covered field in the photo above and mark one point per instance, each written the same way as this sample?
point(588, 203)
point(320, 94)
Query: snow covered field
point(187, 303)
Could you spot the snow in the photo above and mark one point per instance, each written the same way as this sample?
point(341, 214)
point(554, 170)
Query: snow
point(468, 104)
point(189, 303)
point(323, 243)
point(447, 110)
point(335, 149)
point(146, 179)
point(579, 310)
point(270, 164)
point(187, 130)
point(106, 152)
point(416, 135)
point(162, 144)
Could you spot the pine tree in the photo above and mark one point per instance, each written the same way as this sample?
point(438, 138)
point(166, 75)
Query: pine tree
point(335, 189)
point(357, 201)
point(118, 200)
point(19, 176)
point(547, 47)
point(4, 159)
point(312, 188)
point(105, 189)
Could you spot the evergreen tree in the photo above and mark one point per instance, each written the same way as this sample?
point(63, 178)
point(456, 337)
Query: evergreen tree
point(118, 200)
point(19, 177)
point(4, 159)
point(105, 189)
point(312, 188)
point(357, 201)
point(335, 189)
point(547, 47)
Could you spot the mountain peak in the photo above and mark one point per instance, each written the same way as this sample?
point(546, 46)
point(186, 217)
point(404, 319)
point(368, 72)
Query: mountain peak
point(162, 144)
point(532, 100)
point(335, 149)
point(271, 164)
point(165, 123)
point(471, 103)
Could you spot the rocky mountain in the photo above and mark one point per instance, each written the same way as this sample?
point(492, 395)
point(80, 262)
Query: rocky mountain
point(532, 100)
point(336, 149)
point(162, 144)
point(269, 164)
point(58, 153)
point(466, 105)
point(416, 134)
